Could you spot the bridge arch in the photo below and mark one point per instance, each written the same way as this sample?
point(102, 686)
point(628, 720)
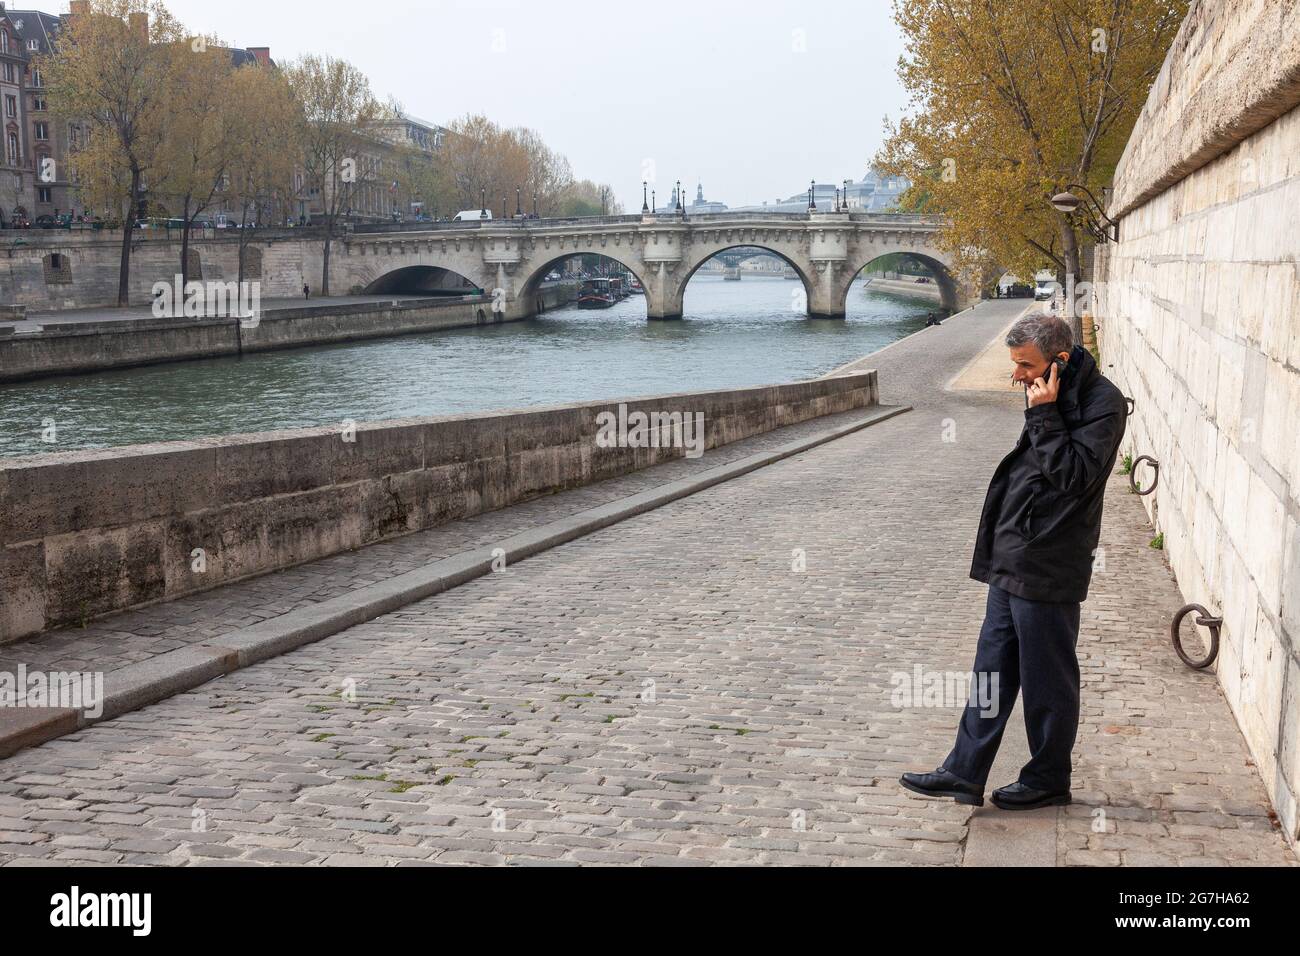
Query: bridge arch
point(698, 259)
point(949, 293)
point(421, 280)
point(529, 298)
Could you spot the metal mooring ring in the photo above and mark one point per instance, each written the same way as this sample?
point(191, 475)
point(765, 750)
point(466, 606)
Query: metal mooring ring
point(1132, 476)
point(1132, 406)
point(1204, 619)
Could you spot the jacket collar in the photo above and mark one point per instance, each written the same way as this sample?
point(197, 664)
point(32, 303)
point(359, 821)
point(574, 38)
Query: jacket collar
point(1081, 372)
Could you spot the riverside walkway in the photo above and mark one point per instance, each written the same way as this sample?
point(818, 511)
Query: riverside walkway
point(708, 682)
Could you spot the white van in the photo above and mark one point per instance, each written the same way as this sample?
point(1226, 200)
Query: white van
point(471, 215)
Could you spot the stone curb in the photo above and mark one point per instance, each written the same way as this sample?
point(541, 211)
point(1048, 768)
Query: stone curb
point(148, 682)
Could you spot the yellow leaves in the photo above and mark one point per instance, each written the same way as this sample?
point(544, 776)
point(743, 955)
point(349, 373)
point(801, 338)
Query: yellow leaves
point(1016, 99)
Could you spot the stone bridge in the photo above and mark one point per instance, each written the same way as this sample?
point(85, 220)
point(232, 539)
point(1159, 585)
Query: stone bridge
point(827, 250)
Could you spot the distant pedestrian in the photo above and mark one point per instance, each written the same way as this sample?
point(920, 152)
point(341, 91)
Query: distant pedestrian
point(306, 291)
point(932, 319)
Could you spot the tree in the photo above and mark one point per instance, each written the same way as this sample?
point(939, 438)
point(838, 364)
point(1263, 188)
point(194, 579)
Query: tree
point(547, 173)
point(480, 162)
point(586, 198)
point(198, 141)
point(337, 109)
point(1013, 101)
point(266, 139)
point(110, 71)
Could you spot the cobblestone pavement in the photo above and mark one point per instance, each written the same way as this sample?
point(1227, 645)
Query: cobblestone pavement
point(133, 636)
point(673, 691)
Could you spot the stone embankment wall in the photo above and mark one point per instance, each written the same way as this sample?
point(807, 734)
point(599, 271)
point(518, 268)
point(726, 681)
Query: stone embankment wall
point(86, 533)
point(1199, 310)
point(61, 349)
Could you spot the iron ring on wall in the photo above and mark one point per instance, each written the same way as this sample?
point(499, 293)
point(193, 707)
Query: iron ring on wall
point(1204, 619)
point(1132, 476)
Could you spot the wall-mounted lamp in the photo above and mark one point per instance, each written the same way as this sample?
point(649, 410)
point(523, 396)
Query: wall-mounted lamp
point(1068, 203)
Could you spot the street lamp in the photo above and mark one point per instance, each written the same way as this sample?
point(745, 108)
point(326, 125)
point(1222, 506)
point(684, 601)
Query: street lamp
point(654, 205)
point(645, 206)
point(812, 195)
point(482, 202)
point(678, 193)
point(519, 209)
point(1068, 203)
point(846, 195)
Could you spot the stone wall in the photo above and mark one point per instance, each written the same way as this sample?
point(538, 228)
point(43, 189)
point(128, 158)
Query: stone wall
point(86, 533)
point(1200, 323)
point(93, 260)
point(61, 349)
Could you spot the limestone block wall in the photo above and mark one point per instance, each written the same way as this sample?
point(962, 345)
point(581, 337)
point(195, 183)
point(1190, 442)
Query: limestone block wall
point(86, 533)
point(93, 260)
point(1199, 310)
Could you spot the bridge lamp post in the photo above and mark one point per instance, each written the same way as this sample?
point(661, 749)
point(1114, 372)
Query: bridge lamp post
point(482, 202)
point(654, 205)
point(846, 195)
point(645, 206)
point(680, 209)
point(535, 216)
point(812, 195)
point(519, 209)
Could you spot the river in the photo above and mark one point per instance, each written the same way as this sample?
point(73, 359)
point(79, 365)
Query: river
point(734, 334)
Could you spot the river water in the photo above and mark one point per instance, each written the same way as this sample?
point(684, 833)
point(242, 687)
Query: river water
point(734, 334)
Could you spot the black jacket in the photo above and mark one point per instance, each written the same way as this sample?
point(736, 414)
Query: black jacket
point(1042, 516)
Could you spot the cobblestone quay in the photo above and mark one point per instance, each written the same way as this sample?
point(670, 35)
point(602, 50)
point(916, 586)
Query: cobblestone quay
point(710, 682)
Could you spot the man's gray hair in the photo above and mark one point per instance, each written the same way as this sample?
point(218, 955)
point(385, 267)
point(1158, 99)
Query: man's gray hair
point(1050, 333)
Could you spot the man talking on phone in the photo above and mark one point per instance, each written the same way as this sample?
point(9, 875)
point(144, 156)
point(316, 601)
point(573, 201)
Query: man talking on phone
point(1035, 549)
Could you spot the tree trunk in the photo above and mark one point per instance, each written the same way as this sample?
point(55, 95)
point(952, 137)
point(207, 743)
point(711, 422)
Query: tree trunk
point(185, 243)
point(128, 231)
point(1070, 252)
point(325, 265)
point(243, 242)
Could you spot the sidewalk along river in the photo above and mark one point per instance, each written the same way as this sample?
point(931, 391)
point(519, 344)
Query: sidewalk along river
point(735, 334)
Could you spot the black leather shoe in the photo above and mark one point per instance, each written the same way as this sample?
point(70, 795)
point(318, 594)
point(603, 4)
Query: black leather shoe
point(943, 784)
point(1017, 796)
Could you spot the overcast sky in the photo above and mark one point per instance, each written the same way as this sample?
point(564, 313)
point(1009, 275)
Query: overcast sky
point(753, 98)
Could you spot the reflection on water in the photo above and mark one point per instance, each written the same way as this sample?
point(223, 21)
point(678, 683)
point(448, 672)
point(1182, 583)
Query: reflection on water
point(734, 334)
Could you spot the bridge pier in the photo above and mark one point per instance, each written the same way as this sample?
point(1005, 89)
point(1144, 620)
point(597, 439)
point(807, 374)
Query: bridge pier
point(827, 292)
point(664, 295)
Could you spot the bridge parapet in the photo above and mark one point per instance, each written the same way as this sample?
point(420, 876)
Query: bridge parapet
point(826, 249)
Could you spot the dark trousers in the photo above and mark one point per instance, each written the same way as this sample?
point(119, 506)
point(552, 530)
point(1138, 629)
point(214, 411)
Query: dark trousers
point(1030, 645)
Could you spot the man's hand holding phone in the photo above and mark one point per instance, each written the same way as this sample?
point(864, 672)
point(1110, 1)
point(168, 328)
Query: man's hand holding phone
point(1044, 392)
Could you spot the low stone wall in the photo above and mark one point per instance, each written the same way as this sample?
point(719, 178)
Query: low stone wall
point(63, 349)
point(87, 533)
point(1199, 310)
point(908, 287)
